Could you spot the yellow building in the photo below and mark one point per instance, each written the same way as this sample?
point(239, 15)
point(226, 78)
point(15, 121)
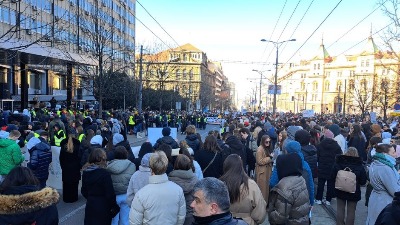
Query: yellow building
point(354, 83)
point(186, 70)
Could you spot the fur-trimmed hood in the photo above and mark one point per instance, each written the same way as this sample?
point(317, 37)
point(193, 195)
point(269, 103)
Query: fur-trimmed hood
point(28, 202)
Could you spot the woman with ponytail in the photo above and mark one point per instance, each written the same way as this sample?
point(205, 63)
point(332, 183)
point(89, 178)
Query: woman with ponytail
point(70, 166)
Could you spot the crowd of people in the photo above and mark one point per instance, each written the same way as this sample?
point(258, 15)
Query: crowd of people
point(254, 167)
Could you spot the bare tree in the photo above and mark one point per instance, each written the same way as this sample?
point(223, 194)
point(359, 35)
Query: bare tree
point(362, 94)
point(386, 95)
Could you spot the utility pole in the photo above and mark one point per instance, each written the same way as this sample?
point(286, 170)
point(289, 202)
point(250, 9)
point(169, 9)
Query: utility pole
point(140, 80)
point(344, 98)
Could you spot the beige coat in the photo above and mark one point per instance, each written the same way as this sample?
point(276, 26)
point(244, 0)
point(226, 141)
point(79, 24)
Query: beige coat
point(263, 171)
point(252, 208)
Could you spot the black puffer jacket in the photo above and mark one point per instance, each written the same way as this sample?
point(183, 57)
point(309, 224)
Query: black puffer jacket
point(391, 213)
point(326, 154)
point(310, 156)
point(356, 166)
point(193, 142)
point(29, 205)
point(237, 147)
point(40, 159)
point(166, 140)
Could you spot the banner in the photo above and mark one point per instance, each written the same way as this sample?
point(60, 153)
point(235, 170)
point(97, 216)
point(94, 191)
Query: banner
point(308, 113)
point(55, 172)
point(214, 120)
point(154, 133)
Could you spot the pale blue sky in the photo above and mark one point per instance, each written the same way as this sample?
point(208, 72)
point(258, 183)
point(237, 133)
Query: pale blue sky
point(232, 29)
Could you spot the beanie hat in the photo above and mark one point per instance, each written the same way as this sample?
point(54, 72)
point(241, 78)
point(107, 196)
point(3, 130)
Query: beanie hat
point(291, 132)
point(97, 139)
point(146, 160)
point(328, 134)
point(303, 137)
point(295, 168)
point(335, 129)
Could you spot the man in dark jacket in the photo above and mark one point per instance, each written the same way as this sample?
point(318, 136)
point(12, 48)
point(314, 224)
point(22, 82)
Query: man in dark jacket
point(191, 138)
point(211, 203)
point(166, 139)
point(390, 215)
point(309, 151)
point(234, 146)
point(40, 157)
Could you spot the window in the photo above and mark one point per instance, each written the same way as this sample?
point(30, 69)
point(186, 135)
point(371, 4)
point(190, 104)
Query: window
point(303, 86)
point(339, 74)
point(184, 75)
point(327, 84)
point(362, 63)
point(191, 74)
point(351, 84)
point(339, 85)
point(319, 66)
point(315, 86)
point(367, 62)
point(178, 74)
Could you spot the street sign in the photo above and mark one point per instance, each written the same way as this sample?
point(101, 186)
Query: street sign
point(271, 90)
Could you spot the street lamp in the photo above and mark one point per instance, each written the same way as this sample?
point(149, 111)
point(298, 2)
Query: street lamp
point(277, 44)
point(261, 77)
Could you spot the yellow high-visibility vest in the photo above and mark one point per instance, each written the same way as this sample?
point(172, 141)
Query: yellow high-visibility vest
point(57, 141)
point(131, 121)
point(81, 137)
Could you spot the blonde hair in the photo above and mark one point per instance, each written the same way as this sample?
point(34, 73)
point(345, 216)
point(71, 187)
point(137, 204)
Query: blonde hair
point(158, 162)
point(191, 129)
point(70, 143)
point(352, 152)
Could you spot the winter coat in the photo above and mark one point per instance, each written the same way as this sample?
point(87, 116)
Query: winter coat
point(40, 159)
point(87, 151)
point(204, 157)
point(186, 179)
point(10, 155)
point(166, 140)
point(263, 171)
point(358, 142)
point(193, 142)
point(326, 153)
point(289, 195)
point(121, 171)
point(342, 142)
point(147, 209)
point(390, 215)
point(356, 166)
point(219, 219)
point(28, 205)
point(385, 182)
point(237, 147)
point(70, 162)
point(252, 207)
point(310, 156)
point(138, 180)
point(98, 190)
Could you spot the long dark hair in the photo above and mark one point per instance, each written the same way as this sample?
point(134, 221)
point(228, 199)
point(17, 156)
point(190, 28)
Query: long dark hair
point(19, 176)
point(356, 131)
point(210, 144)
point(268, 149)
point(234, 176)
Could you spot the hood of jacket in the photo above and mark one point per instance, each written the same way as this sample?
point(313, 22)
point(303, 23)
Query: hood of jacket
point(348, 160)
point(117, 166)
point(328, 144)
point(291, 132)
point(191, 137)
point(234, 143)
point(28, 202)
point(4, 143)
point(303, 137)
point(335, 129)
point(167, 140)
point(186, 179)
point(117, 138)
point(309, 150)
point(97, 139)
point(32, 142)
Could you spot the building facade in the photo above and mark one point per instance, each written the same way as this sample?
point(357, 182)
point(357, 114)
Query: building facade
point(352, 84)
point(186, 70)
point(59, 42)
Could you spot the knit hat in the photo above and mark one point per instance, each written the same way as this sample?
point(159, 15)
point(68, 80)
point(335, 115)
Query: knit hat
point(335, 129)
point(97, 139)
point(146, 160)
point(117, 138)
point(303, 137)
point(295, 168)
point(328, 134)
point(291, 132)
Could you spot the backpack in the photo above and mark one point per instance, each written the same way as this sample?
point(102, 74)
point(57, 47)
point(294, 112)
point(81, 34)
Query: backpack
point(346, 180)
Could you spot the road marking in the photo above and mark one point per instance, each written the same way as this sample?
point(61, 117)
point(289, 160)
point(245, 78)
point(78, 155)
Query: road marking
point(69, 215)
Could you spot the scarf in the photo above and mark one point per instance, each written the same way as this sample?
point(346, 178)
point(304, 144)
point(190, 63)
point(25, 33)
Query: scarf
point(385, 159)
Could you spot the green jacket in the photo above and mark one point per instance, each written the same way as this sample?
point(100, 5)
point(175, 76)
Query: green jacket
point(10, 155)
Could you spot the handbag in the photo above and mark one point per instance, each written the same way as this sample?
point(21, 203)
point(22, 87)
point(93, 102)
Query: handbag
point(114, 210)
point(346, 180)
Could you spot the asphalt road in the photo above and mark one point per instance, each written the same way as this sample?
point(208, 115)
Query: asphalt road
point(74, 213)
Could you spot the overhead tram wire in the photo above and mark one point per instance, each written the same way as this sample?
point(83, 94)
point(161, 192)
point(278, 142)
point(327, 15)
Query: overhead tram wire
point(265, 49)
point(355, 26)
point(298, 24)
point(284, 28)
point(178, 45)
point(314, 31)
point(366, 38)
